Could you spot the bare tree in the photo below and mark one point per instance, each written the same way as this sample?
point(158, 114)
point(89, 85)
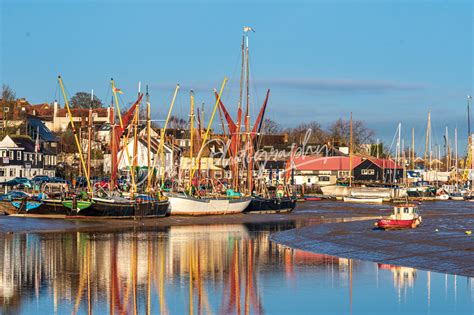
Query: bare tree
point(339, 133)
point(83, 100)
point(299, 133)
point(178, 123)
point(270, 127)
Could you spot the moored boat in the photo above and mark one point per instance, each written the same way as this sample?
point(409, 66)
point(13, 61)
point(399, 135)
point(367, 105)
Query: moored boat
point(118, 207)
point(403, 216)
point(271, 205)
point(77, 205)
point(360, 199)
point(181, 204)
point(26, 205)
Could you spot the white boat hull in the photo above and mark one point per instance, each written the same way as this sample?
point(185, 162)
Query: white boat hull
point(184, 205)
point(363, 200)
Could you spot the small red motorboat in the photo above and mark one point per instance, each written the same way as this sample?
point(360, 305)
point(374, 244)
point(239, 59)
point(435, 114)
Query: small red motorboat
point(404, 216)
point(312, 198)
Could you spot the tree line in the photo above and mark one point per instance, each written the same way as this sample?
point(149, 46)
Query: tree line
point(337, 134)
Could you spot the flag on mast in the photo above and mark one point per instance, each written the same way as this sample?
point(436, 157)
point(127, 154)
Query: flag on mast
point(117, 90)
point(248, 28)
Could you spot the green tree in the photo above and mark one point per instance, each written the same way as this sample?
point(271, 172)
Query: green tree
point(83, 100)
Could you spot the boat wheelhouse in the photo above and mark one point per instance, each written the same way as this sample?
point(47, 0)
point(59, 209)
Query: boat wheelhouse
point(403, 216)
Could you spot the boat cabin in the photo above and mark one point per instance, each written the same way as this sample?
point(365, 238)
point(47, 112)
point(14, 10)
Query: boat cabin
point(405, 212)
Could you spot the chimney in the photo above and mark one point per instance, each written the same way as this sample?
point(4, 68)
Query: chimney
point(55, 108)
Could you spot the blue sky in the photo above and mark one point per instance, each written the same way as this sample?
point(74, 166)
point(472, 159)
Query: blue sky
point(386, 61)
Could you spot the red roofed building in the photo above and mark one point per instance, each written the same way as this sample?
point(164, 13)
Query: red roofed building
point(54, 117)
point(323, 171)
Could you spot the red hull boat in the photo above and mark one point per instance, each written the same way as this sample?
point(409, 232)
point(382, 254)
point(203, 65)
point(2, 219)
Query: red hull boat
point(312, 198)
point(403, 217)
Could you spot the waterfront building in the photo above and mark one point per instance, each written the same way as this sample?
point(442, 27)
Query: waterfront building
point(378, 170)
point(21, 156)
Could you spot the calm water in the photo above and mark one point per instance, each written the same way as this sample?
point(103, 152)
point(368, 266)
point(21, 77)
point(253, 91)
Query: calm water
point(215, 269)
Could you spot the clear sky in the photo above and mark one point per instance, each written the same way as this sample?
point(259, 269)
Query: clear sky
point(386, 61)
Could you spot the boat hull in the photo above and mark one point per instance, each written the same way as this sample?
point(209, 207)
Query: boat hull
point(51, 206)
point(363, 200)
point(7, 208)
point(184, 205)
point(271, 205)
point(397, 224)
point(106, 208)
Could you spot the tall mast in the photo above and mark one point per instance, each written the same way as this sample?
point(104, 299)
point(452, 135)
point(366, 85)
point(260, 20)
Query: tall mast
point(398, 155)
point(79, 149)
point(247, 114)
point(469, 142)
point(191, 132)
point(350, 151)
point(90, 137)
point(428, 142)
point(191, 124)
point(456, 154)
point(448, 155)
point(148, 136)
point(134, 165)
point(412, 148)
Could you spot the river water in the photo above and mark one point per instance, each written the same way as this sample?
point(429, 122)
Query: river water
point(208, 269)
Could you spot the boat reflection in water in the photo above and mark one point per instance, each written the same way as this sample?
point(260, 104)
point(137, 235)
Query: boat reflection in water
point(211, 269)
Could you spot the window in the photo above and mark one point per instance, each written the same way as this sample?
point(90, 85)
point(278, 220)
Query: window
point(367, 171)
point(324, 178)
point(406, 210)
point(18, 155)
point(309, 180)
point(2, 171)
point(12, 172)
point(12, 155)
point(39, 157)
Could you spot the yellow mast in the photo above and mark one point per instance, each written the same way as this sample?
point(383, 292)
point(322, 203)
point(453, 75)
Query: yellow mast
point(135, 143)
point(148, 140)
point(75, 136)
point(161, 146)
point(191, 130)
point(208, 128)
point(191, 125)
point(350, 151)
point(114, 91)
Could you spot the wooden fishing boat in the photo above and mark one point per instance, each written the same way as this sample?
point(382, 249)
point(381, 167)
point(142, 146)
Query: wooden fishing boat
point(360, 199)
point(181, 204)
point(403, 216)
point(271, 205)
point(26, 205)
point(51, 206)
point(125, 208)
point(78, 205)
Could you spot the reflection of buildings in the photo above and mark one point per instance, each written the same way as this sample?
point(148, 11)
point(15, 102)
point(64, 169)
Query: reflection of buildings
point(220, 266)
point(403, 277)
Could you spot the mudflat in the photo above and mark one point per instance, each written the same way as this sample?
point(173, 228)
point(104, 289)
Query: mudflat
point(440, 244)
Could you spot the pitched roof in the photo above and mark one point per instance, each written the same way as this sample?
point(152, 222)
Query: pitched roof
point(330, 163)
point(44, 133)
point(385, 163)
point(24, 142)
